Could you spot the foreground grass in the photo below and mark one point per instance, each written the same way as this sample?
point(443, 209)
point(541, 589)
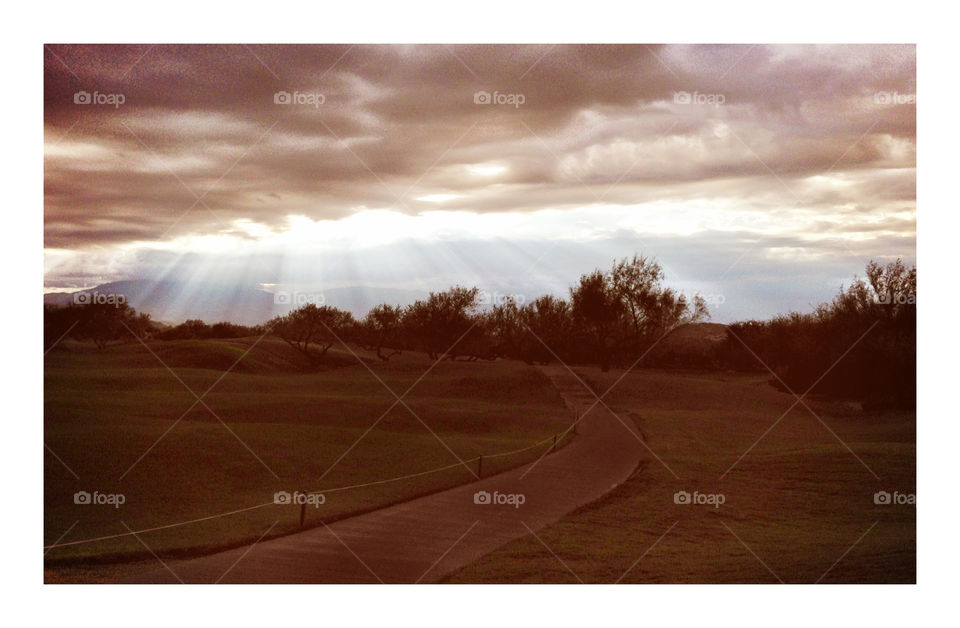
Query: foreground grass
point(799, 507)
point(120, 422)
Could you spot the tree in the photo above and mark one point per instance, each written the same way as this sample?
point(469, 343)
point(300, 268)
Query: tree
point(382, 329)
point(104, 322)
point(504, 327)
point(194, 329)
point(312, 325)
point(636, 285)
point(894, 285)
point(861, 345)
point(547, 328)
point(437, 325)
point(623, 312)
point(596, 309)
point(142, 326)
point(649, 308)
point(197, 329)
point(99, 322)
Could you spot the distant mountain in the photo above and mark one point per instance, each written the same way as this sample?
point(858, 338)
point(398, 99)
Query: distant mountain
point(177, 301)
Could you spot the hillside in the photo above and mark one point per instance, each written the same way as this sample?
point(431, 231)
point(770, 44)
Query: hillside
point(695, 345)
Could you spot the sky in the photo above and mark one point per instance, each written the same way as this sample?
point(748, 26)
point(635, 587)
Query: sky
point(761, 177)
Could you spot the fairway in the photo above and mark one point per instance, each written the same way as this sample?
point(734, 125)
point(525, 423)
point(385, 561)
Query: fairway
point(118, 421)
point(797, 492)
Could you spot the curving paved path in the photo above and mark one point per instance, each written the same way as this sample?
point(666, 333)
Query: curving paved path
point(427, 538)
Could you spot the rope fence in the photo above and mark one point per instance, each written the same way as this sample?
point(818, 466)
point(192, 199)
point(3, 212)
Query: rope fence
point(556, 438)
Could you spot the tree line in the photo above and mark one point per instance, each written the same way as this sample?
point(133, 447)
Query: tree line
point(861, 345)
point(610, 318)
point(103, 323)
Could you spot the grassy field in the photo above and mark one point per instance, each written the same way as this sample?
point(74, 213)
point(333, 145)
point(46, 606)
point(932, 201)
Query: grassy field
point(118, 421)
point(798, 508)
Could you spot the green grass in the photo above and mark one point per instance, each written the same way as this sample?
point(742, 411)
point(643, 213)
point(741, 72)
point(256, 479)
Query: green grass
point(799, 500)
point(283, 427)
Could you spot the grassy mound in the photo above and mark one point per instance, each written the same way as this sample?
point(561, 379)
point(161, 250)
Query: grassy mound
point(696, 345)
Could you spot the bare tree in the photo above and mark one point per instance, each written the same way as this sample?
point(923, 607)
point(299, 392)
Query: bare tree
point(312, 330)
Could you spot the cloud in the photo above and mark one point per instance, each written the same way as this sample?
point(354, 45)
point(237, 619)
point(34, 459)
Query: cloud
point(809, 142)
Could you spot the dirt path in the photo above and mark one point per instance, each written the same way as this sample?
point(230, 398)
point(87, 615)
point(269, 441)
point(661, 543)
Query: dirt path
point(427, 538)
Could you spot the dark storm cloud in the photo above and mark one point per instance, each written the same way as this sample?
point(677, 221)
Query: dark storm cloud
point(199, 142)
